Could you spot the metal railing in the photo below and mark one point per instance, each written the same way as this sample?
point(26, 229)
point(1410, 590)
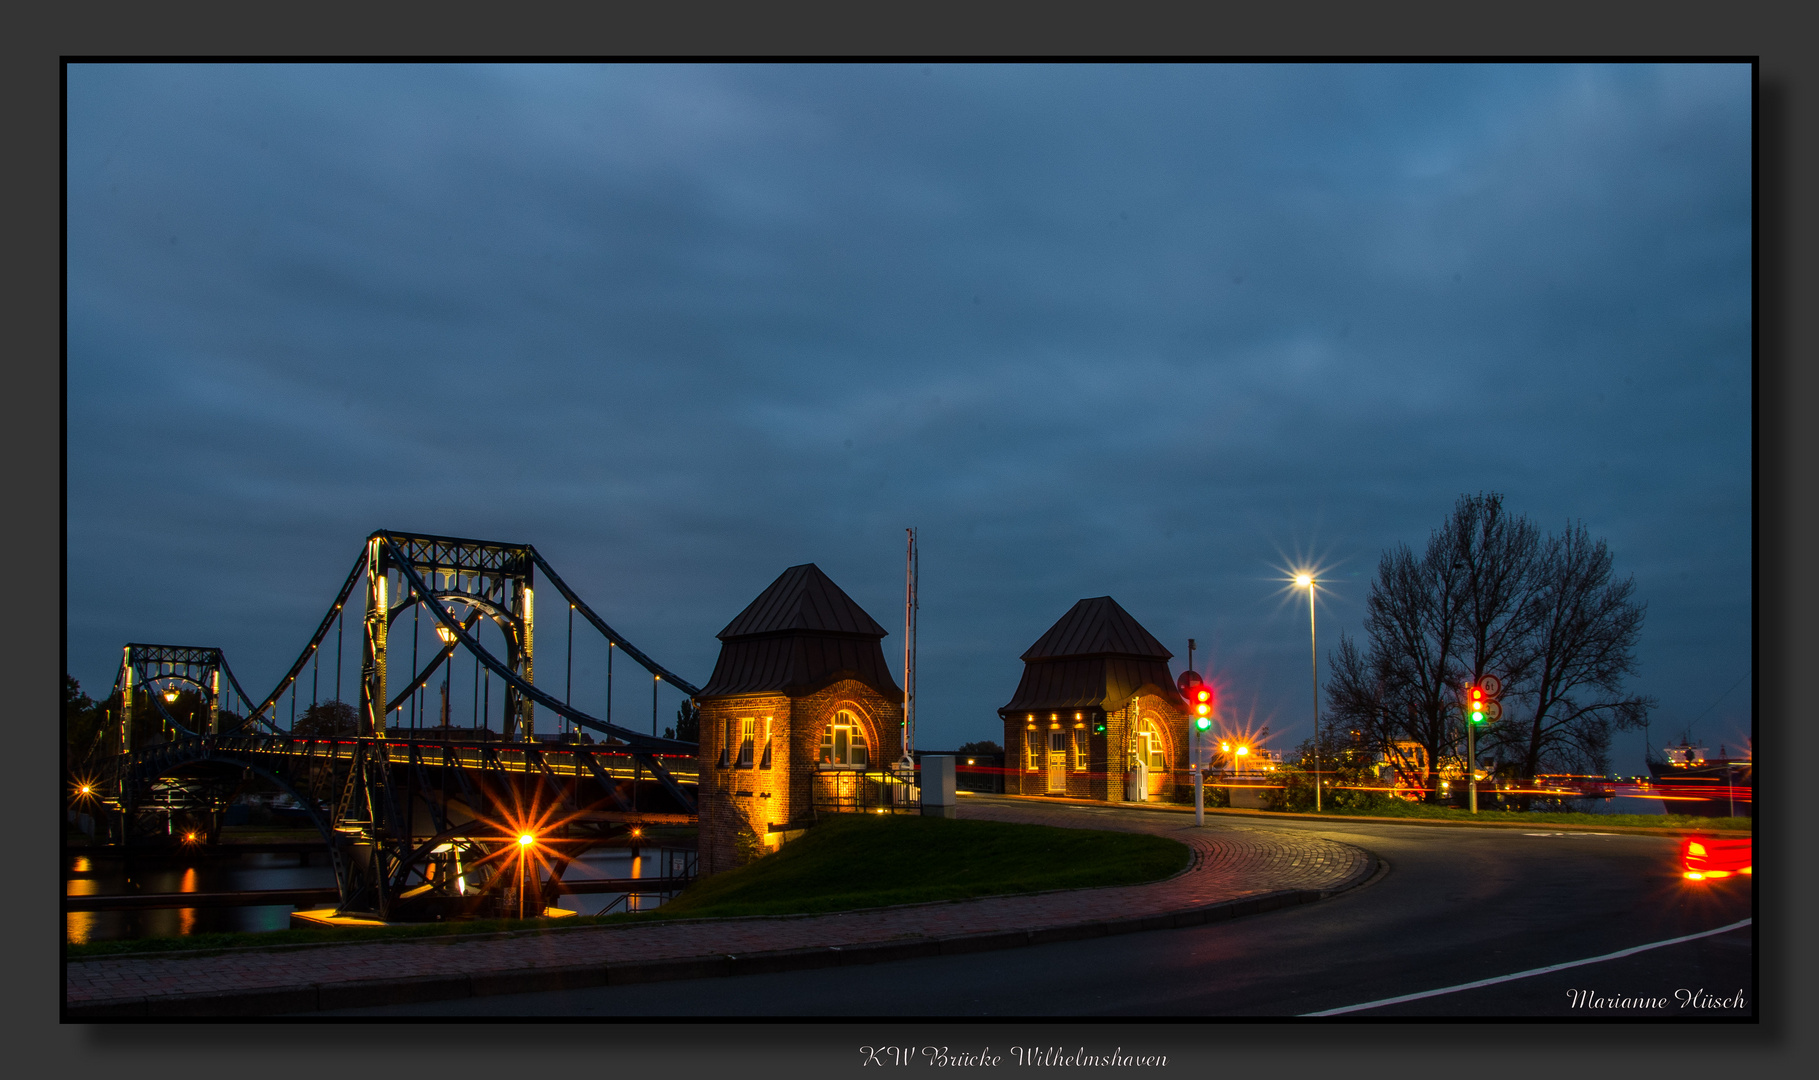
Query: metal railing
point(866, 791)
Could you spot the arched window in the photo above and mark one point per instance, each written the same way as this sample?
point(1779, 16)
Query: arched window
point(1151, 747)
point(843, 743)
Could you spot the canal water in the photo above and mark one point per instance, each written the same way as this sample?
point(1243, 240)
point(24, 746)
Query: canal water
point(93, 875)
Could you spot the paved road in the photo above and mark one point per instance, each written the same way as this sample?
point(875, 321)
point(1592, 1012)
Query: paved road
point(1454, 906)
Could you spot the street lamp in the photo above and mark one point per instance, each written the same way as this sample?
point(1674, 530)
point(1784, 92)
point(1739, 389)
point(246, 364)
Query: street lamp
point(525, 840)
point(1306, 581)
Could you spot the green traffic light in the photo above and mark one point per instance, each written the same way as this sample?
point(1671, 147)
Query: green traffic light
point(1203, 723)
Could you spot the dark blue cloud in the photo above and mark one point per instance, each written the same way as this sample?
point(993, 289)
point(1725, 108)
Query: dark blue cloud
point(1147, 331)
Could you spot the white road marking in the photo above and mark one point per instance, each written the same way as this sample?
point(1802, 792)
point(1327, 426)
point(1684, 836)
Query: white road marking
point(1533, 971)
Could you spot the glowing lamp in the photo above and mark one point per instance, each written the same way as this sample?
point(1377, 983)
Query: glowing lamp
point(448, 636)
point(526, 839)
point(84, 789)
point(1303, 580)
point(1243, 750)
point(171, 694)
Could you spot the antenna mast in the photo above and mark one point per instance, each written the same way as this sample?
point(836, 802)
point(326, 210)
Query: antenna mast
point(909, 645)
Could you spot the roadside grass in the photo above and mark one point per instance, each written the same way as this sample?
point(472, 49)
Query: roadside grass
point(1405, 809)
point(841, 864)
point(857, 861)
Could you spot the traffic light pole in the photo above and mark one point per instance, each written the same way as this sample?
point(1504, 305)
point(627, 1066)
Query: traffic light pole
point(1199, 787)
point(1471, 761)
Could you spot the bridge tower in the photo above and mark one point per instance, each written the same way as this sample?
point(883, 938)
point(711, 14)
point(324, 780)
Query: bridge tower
point(488, 580)
point(153, 679)
point(158, 674)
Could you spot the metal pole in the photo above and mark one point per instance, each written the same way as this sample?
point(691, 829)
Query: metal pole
point(1314, 667)
point(1199, 803)
point(1471, 762)
point(655, 679)
point(909, 645)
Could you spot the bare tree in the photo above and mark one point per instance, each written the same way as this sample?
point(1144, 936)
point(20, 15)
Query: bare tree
point(1489, 596)
point(1584, 628)
point(1359, 705)
point(1497, 557)
point(1412, 625)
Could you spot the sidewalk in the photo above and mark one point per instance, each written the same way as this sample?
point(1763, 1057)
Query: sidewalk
point(1235, 871)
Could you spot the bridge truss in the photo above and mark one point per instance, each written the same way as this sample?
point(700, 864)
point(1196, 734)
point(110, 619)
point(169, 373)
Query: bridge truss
point(421, 821)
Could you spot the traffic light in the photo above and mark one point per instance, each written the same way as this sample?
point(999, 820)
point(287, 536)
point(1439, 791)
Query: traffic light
point(1199, 698)
point(1203, 708)
point(1481, 705)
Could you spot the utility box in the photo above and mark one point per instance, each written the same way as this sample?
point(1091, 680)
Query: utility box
point(938, 786)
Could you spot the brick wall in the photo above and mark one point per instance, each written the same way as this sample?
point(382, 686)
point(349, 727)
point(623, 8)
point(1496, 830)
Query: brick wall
point(739, 804)
point(1111, 753)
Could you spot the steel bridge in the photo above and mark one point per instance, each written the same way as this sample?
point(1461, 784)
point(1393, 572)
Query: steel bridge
point(425, 822)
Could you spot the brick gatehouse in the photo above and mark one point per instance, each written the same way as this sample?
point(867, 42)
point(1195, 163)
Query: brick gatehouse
point(1097, 712)
point(799, 704)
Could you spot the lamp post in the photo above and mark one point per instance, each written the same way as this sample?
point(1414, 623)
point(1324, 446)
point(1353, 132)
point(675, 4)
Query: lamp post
point(1306, 581)
point(525, 840)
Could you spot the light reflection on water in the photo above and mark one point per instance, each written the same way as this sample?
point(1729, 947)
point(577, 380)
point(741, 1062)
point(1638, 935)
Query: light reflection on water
point(110, 877)
point(99, 876)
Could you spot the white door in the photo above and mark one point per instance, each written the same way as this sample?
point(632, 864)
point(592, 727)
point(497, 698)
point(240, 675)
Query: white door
point(1057, 762)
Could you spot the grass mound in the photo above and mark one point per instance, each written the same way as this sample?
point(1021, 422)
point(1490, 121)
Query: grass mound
point(858, 861)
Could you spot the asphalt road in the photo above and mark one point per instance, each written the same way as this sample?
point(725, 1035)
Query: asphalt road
point(1452, 906)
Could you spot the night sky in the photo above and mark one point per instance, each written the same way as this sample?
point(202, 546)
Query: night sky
point(1158, 332)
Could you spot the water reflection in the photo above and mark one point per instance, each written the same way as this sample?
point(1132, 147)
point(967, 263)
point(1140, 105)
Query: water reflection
point(608, 864)
point(97, 876)
point(101, 876)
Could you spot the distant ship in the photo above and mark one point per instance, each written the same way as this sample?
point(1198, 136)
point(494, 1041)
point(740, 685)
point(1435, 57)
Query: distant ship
point(1705, 786)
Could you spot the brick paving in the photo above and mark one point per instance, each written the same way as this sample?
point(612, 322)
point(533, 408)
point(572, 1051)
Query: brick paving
point(1232, 861)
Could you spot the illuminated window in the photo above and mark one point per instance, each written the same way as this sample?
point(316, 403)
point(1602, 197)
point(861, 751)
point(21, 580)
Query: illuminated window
point(747, 734)
point(726, 744)
point(1150, 746)
point(1080, 749)
point(1032, 749)
point(843, 743)
point(766, 762)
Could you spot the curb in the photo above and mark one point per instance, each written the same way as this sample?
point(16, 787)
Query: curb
point(318, 997)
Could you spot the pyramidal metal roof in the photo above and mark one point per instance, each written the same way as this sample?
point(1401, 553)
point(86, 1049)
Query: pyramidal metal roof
point(803, 599)
point(1096, 627)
